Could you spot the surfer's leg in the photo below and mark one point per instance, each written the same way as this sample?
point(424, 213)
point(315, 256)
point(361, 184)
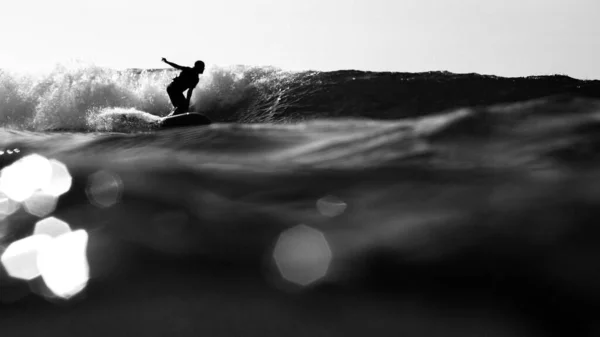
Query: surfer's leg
point(179, 110)
point(172, 95)
point(177, 98)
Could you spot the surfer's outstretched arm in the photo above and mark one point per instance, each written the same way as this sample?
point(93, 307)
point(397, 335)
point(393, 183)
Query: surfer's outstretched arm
point(176, 66)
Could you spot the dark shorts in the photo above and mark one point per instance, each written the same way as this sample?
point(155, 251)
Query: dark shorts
point(177, 98)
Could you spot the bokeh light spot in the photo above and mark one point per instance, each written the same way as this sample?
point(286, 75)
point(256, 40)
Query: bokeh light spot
point(25, 176)
point(20, 257)
point(60, 180)
point(52, 227)
point(38, 286)
point(331, 206)
point(302, 255)
point(40, 204)
point(63, 264)
point(104, 189)
point(7, 206)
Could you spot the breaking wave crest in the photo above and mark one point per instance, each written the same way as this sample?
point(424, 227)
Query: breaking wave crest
point(85, 97)
point(88, 97)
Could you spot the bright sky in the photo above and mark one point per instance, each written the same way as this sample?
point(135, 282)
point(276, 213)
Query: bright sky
point(501, 37)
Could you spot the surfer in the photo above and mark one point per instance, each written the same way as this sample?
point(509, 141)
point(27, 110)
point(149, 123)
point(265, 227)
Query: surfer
point(187, 80)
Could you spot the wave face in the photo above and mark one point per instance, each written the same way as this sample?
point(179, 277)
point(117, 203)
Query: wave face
point(87, 97)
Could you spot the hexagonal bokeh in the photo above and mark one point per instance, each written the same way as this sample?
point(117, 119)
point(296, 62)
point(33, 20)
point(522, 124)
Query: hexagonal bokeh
point(63, 264)
point(20, 257)
point(25, 176)
point(52, 227)
point(104, 189)
point(302, 255)
point(60, 181)
point(40, 204)
point(331, 206)
point(7, 206)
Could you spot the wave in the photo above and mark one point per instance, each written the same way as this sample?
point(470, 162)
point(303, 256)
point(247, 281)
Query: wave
point(92, 98)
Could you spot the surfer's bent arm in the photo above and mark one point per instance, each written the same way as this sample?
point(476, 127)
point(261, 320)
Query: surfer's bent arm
point(176, 66)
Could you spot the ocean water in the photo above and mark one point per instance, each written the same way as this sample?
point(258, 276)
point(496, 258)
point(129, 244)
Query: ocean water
point(318, 203)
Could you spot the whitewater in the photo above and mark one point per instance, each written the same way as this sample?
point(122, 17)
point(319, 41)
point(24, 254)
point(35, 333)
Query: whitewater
point(317, 203)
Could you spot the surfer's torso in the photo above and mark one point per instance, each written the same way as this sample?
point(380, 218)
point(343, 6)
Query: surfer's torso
point(188, 78)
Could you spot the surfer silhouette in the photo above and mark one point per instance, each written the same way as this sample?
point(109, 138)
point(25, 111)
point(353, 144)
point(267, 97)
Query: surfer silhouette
point(187, 80)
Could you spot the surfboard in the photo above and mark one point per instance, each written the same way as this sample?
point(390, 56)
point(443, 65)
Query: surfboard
point(184, 119)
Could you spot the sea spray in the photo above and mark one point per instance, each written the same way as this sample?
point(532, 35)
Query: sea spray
point(68, 97)
point(120, 120)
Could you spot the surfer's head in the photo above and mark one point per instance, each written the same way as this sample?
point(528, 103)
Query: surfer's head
point(199, 66)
